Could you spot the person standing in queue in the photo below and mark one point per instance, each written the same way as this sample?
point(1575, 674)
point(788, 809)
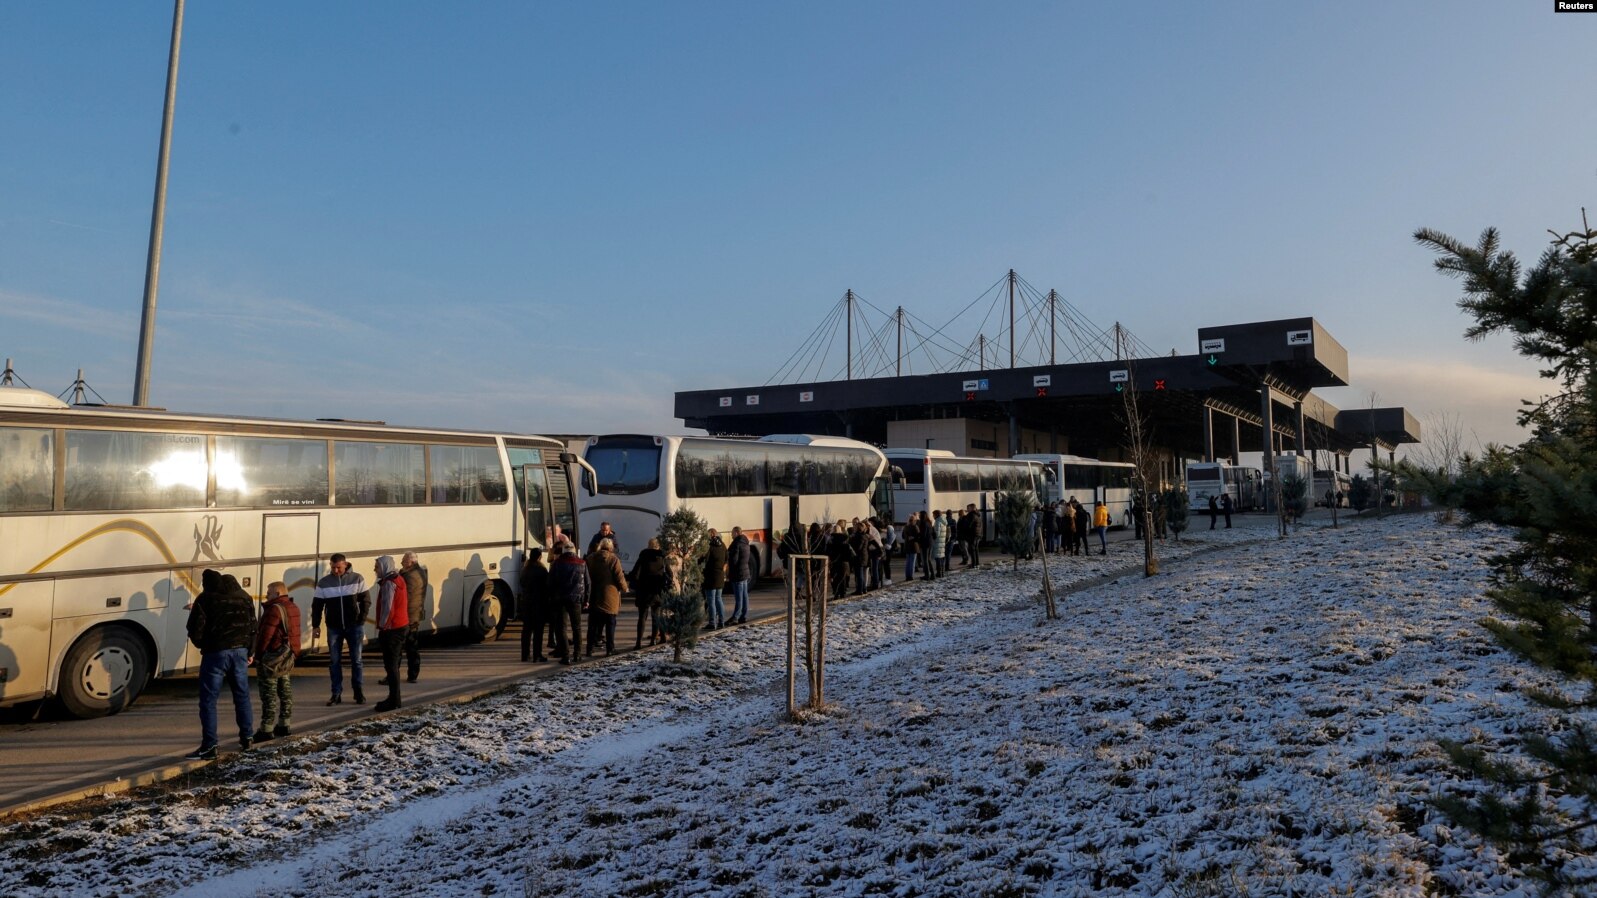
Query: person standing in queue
point(343, 597)
point(606, 583)
point(938, 564)
point(1083, 526)
point(840, 558)
point(605, 532)
point(714, 582)
point(279, 628)
point(221, 625)
point(738, 571)
point(910, 536)
point(970, 533)
point(568, 590)
point(415, 574)
point(650, 579)
point(1100, 524)
point(393, 625)
point(534, 606)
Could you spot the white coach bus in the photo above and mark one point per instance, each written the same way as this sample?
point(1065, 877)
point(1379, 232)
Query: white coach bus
point(742, 483)
point(108, 516)
point(1205, 479)
point(1089, 480)
point(936, 479)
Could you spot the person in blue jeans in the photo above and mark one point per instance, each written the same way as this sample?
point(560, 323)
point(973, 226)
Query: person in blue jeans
point(343, 597)
point(221, 625)
point(739, 570)
point(911, 540)
point(714, 582)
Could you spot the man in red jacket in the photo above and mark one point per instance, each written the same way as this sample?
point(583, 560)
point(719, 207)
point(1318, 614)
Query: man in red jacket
point(279, 627)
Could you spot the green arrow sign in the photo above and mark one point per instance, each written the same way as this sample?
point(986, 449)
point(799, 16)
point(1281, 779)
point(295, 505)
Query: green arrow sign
point(1213, 360)
point(1119, 387)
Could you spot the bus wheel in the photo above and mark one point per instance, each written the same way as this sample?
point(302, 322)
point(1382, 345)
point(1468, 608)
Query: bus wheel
point(103, 673)
point(487, 614)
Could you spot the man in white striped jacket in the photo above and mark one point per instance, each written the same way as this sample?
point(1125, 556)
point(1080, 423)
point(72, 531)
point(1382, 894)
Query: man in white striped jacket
point(342, 595)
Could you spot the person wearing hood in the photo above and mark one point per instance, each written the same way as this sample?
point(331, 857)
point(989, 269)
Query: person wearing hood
point(221, 625)
point(342, 595)
point(393, 624)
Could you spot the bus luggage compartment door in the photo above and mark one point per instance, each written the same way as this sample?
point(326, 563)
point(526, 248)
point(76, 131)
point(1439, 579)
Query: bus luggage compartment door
point(25, 613)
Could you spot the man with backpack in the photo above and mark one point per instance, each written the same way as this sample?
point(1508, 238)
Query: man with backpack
point(276, 648)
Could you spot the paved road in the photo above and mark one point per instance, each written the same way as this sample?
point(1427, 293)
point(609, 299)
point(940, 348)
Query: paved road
point(53, 758)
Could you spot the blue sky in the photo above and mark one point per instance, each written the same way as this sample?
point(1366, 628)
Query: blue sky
point(549, 217)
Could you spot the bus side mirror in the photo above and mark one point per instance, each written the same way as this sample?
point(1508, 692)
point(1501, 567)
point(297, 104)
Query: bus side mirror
point(590, 482)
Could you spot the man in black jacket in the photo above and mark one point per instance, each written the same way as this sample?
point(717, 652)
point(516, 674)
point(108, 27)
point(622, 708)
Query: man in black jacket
point(222, 626)
point(534, 606)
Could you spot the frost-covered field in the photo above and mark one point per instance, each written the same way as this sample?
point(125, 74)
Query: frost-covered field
point(1257, 721)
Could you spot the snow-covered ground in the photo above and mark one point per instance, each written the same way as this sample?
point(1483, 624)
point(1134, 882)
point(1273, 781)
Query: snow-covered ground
point(1260, 720)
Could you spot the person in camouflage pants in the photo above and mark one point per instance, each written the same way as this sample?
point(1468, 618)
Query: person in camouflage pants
point(279, 625)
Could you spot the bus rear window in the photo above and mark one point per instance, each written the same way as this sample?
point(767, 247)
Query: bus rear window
point(625, 467)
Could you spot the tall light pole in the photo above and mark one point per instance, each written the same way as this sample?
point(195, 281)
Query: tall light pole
point(152, 264)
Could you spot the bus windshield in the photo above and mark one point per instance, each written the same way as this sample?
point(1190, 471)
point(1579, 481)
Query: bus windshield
point(626, 467)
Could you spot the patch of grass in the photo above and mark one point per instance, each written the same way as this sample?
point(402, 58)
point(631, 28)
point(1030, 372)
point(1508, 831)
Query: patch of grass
point(726, 876)
point(863, 820)
point(603, 818)
point(1166, 720)
point(765, 838)
point(578, 862)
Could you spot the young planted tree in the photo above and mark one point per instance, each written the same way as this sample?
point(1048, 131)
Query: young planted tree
point(685, 537)
point(1139, 445)
point(1545, 585)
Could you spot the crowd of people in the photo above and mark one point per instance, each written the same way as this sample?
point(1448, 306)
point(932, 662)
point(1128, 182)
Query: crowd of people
point(222, 624)
point(555, 596)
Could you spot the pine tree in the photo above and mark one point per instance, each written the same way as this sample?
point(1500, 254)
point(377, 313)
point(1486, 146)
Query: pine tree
point(1359, 493)
point(1545, 585)
point(1176, 511)
point(685, 538)
point(1012, 510)
point(1294, 497)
